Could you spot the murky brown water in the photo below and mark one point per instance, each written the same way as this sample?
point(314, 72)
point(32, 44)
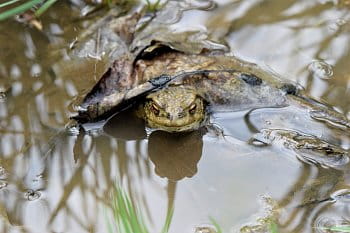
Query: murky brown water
point(55, 181)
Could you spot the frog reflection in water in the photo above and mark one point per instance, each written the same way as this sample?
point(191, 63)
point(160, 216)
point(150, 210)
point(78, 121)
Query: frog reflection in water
point(175, 155)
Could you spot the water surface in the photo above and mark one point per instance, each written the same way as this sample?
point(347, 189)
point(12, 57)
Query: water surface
point(53, 180)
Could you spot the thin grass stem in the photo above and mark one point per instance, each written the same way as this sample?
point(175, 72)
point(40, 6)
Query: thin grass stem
point(8, 3)
point(44, 7)
point(216, 225)
point(19, 9)
point(168, 219)
point(345, 228)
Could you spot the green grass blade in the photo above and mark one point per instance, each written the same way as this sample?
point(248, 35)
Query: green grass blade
point(19, 9)
point(127, 216)
point(157, 4)
point(123, 213)
point(109, 227)
point(345, 228)
point(132, 216)
point(273, 228)
point(44, 7)
point(8, 3)
point(216, 225)
point(153, 7)
point(169, 217)
point(109, 224)
point(135, 218)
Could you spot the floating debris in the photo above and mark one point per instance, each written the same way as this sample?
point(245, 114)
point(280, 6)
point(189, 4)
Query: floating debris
point(38, 178)
point(307, 147)
point(29, 18)
point(32, 195)
point(205, 229)
point(3, 184)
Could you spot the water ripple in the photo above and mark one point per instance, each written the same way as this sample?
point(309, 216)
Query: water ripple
point(322, 224)
point(342, 195)
point(321, 70)
point(328, 224)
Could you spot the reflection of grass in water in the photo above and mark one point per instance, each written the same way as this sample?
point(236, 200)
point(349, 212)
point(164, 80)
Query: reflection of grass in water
point(128, 217)
point(168, 219)
point(344, 228)
point(215, 224)
point(273, 228)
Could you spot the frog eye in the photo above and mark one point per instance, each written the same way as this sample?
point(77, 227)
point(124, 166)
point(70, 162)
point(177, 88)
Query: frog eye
point(193, 108)
point(155, 109)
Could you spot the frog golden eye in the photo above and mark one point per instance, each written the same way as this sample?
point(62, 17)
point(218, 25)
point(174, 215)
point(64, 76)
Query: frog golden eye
point(155, 109)
point(193, 108)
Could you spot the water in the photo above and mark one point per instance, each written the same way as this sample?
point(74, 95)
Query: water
point(321, 70)
point(54, 180)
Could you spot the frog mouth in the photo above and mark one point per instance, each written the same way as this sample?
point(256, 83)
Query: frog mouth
point(190, 126)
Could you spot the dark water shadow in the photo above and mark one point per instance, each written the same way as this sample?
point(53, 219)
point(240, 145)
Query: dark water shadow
point(175, 156)
point(126, 126)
